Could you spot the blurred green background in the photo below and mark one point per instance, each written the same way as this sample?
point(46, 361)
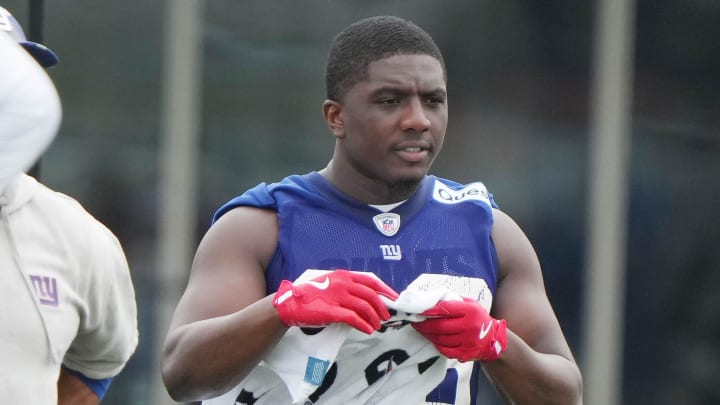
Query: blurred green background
point(519, 91)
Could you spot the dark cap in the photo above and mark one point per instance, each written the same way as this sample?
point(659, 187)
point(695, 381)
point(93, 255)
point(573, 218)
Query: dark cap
point(42, 54)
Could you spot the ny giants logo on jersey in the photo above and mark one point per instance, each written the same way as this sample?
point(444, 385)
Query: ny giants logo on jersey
point(391, 252)
point(473, 191)
point(46, 290)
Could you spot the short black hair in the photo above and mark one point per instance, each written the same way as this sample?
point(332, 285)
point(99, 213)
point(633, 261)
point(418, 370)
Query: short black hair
point(369, 40)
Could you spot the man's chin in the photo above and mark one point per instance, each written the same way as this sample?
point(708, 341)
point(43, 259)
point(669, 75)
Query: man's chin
point(406, 183)
point(410, 175)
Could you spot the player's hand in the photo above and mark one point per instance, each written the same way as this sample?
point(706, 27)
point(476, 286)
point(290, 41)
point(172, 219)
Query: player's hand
point(339, 296)
point(464, 330)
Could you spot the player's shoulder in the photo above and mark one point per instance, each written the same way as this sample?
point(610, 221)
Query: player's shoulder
point(269, 195)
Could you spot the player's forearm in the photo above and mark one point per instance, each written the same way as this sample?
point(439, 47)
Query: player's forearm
point(207, 358)
point(72, 391)
point(527, 377)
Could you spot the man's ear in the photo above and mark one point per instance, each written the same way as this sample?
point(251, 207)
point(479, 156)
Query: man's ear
point(333, 113)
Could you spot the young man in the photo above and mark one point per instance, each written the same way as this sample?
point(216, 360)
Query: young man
point(416, 282)
point(68, 320)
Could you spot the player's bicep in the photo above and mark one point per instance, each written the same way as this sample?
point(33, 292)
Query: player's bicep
point(228, 271)
point(521, 298)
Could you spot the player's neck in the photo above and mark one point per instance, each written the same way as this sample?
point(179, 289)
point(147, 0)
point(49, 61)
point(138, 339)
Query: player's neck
point(369, 191)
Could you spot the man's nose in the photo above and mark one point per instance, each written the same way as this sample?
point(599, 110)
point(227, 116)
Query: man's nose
point(415, 117)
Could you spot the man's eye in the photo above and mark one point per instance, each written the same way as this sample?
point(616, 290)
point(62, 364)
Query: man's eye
point(389, 101)
point(435, 100)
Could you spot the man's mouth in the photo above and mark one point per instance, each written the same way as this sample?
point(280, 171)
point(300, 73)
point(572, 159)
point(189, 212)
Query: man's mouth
point(412, 153)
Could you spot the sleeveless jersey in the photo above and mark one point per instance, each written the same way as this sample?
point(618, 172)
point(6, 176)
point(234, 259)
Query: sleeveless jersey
point(440, 237)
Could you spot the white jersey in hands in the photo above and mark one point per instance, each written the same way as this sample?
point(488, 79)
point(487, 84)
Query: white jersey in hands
point(30, 110)
point(67, 297)
point(340, 365)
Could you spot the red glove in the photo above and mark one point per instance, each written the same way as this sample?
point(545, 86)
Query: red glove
point(339, 296)
point(464, 330)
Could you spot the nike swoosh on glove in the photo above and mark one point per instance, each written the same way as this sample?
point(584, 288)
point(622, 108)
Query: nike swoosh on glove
point(464, 330)
point(351, 298)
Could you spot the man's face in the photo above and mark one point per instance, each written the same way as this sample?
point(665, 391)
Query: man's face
point(393, 123)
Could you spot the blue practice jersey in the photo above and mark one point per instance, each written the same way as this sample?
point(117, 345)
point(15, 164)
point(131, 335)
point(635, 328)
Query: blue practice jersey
point(444, 229)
